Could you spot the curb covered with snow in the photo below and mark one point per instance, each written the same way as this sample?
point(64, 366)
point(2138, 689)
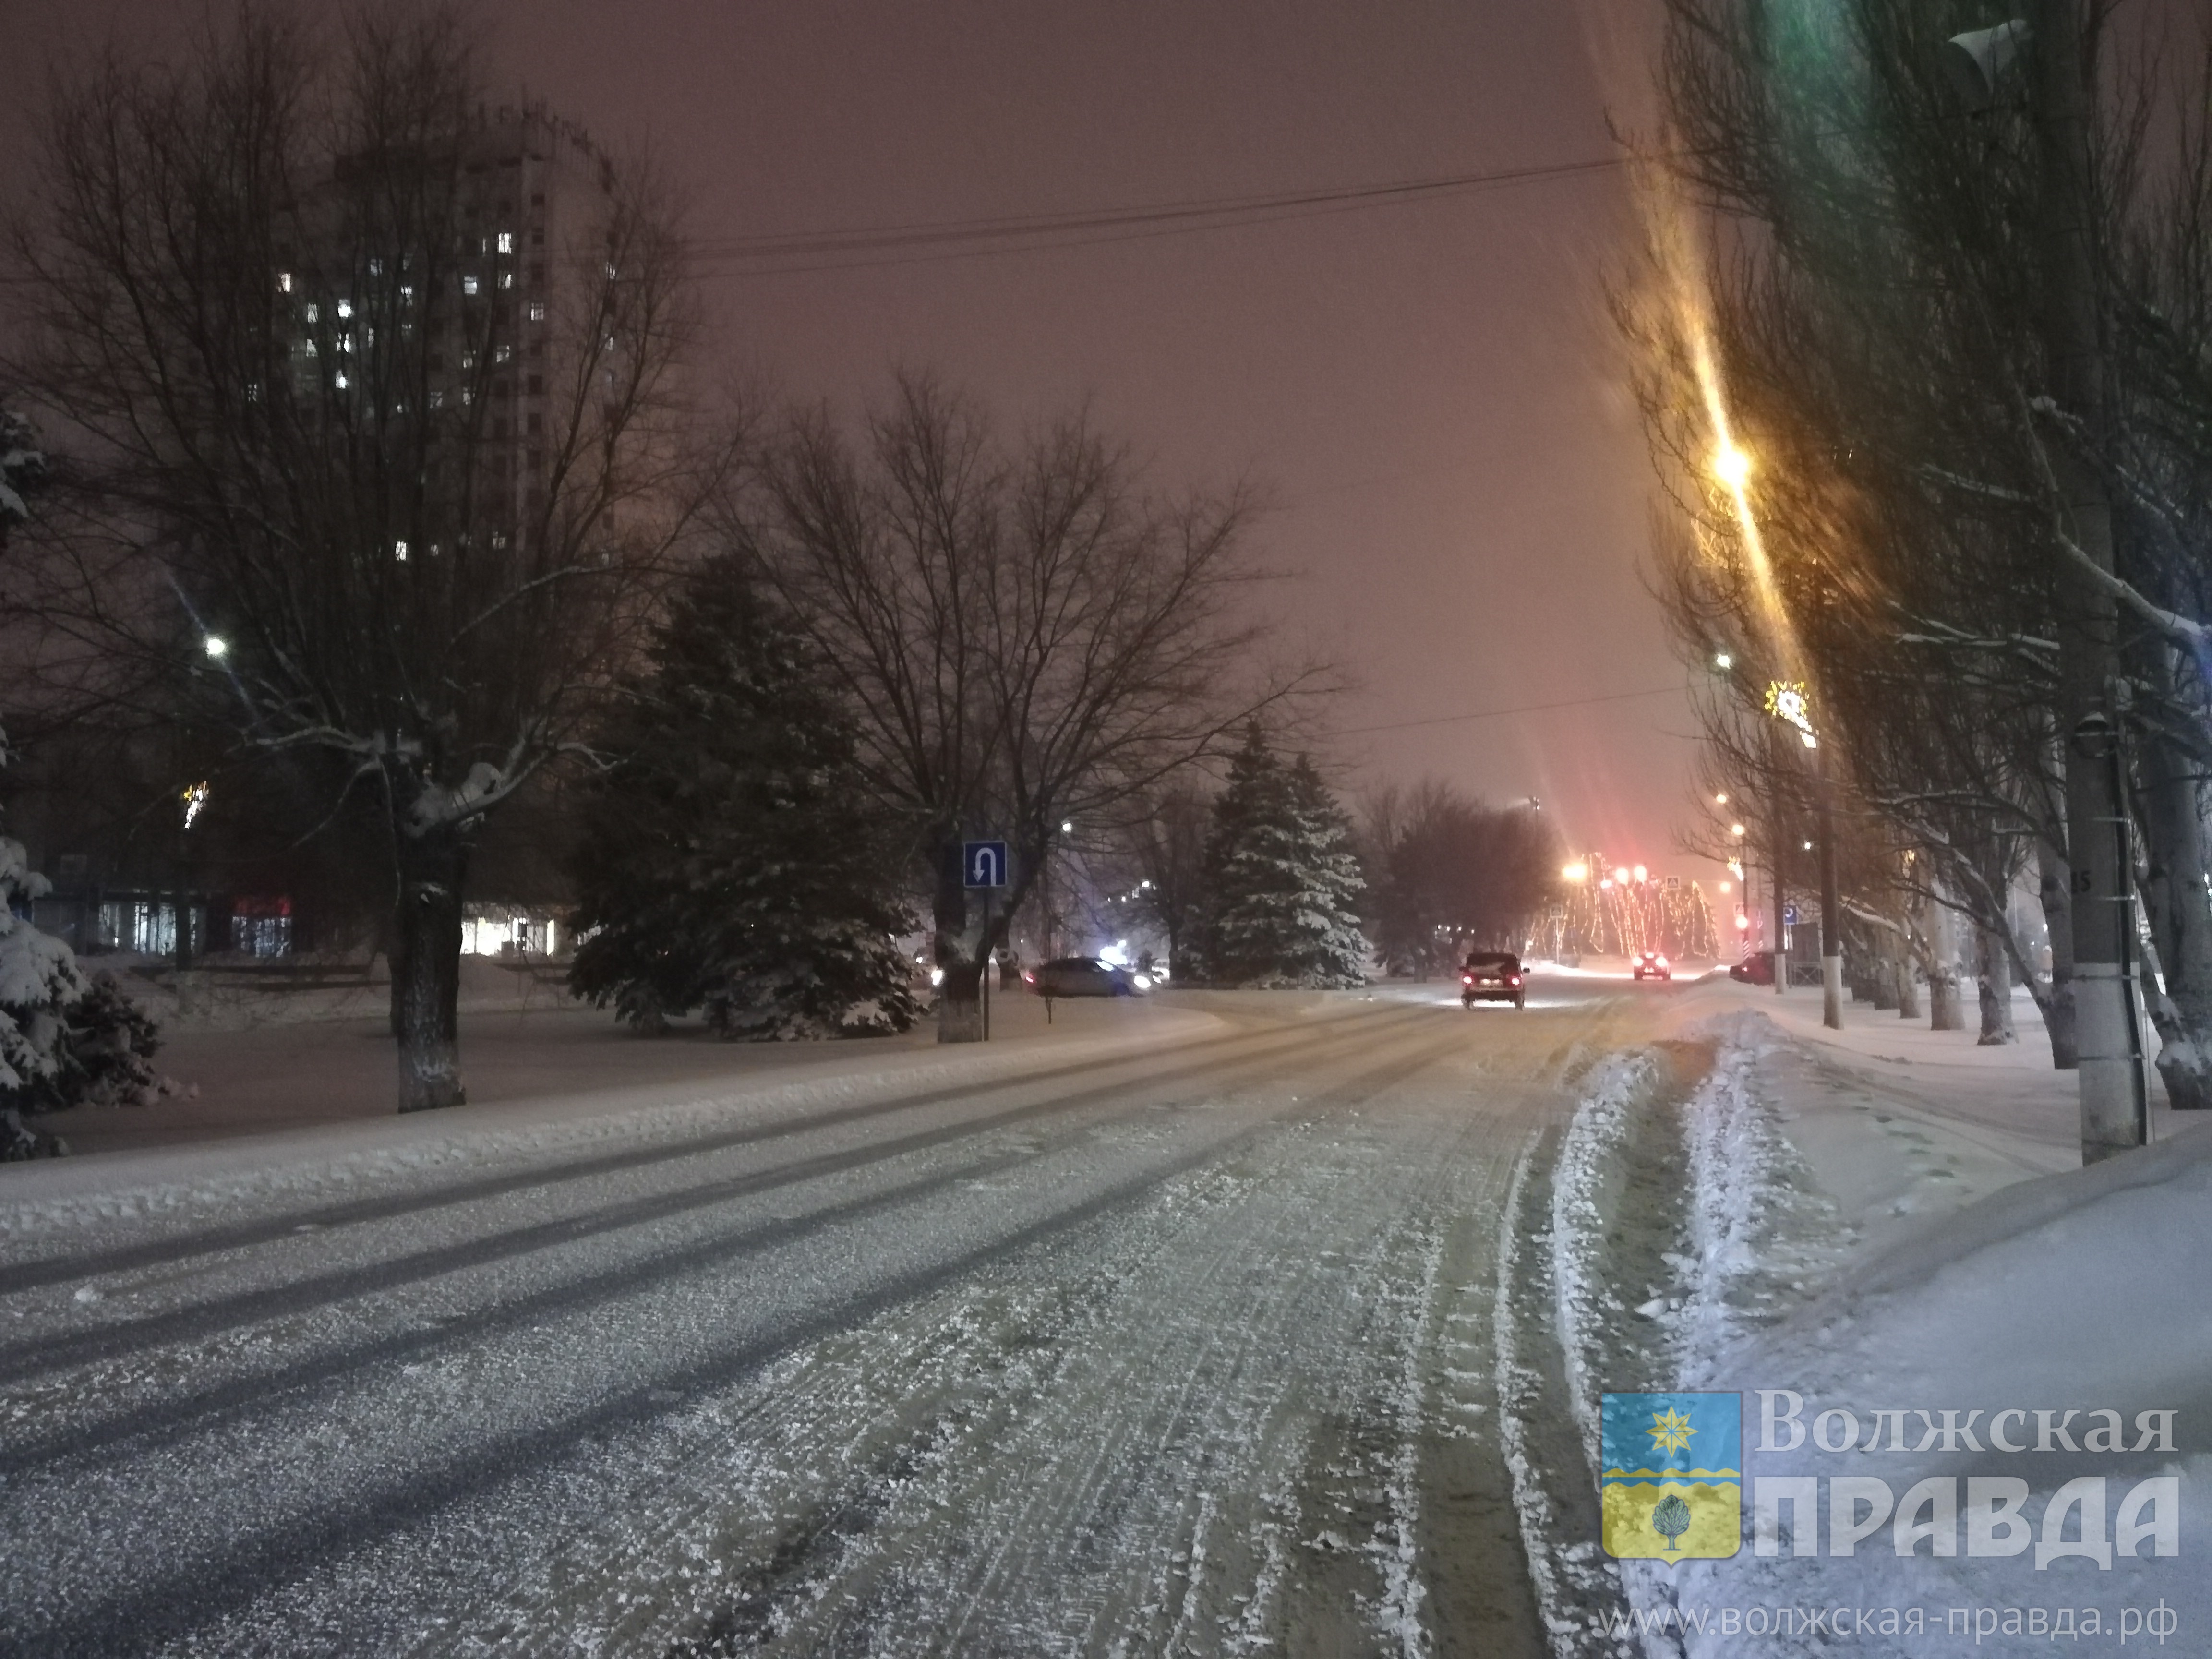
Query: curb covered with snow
point(2073, 1292)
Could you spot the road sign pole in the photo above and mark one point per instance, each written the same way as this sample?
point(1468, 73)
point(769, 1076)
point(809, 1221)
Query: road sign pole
point(987, 964)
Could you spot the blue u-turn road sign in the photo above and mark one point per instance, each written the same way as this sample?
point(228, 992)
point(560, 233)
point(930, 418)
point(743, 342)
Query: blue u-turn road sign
point(983, 863)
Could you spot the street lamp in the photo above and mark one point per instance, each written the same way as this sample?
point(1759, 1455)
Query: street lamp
point(1576, 871)
point(1731, 464)
point(217, 646)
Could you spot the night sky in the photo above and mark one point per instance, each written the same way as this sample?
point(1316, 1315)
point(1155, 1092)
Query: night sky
point(1430, 390)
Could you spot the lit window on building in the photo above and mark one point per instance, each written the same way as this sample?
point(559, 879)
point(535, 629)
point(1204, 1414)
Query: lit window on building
point(507, 241)
point(283, 281)
point(314, 312)
point(501, 354)
point(537, 311)
point(261, 927)
point(399, 551)
point(507, 279)
point(345, 309)
point(342, 379)
point(468, 285)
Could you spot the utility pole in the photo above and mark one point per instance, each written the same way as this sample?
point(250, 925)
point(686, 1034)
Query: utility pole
point(1831, 923)
point(2114, 1108)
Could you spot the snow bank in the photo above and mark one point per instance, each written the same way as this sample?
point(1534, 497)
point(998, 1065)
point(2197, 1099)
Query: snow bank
point(1921, 1361)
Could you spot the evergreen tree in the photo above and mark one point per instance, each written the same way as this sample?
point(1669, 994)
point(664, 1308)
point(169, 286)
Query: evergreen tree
point(1283, 884)
point(730, 860)
point(63, 1041)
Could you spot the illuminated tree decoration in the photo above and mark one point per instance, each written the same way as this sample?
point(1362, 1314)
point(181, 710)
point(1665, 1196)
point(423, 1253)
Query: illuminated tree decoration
point(1786, 700)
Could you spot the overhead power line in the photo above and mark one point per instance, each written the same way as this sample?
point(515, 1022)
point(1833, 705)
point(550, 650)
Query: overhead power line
point(859, 246)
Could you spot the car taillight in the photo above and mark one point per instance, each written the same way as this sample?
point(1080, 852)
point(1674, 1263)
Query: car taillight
point(1466, 979)
point(1513, 979)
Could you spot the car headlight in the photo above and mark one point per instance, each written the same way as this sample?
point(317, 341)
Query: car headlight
point(937, 976)
point(1142, 981)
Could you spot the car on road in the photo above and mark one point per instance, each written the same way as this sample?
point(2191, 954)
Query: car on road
point(1756, 969)
point(1086, 976)
point(1493, 976)
point(1650, 964)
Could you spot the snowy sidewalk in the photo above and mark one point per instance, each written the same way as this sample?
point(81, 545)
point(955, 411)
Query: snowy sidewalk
point(1886, 1231)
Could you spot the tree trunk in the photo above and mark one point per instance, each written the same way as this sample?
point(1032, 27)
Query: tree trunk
point(2180, 998)
point(426, 968)
point(1885, 982)
point(1946, 1011)
point(2057, 916)
point(1993, 970)
point(1908, 981)
point(960, 989)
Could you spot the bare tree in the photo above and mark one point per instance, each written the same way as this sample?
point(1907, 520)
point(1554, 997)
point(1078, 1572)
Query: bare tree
point(377, 451)
point(1033, 641)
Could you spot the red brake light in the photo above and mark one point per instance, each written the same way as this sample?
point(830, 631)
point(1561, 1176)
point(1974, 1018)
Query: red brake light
point(1466, 979)
point(1513, 979)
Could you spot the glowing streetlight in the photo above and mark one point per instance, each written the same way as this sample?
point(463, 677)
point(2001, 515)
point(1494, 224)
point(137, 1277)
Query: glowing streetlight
point(217, 646)
point(1576, 871)
point(1723, 661)
point(1641, 874)
point(1732, 465)
point(1620, 875)
point(1736, 830)
point(1721, 799)
point(1726, 886)
point(1067, 827)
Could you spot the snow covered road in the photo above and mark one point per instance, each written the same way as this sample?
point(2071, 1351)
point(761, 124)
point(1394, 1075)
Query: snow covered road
point(1182, 1347)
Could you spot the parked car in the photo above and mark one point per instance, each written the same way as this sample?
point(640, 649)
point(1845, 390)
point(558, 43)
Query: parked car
point(1086, 976)
point(1757, 968)
point(1650, 964)
point(1492, 977)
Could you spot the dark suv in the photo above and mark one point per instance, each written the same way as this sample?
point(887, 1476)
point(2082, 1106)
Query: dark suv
point(1493, 976)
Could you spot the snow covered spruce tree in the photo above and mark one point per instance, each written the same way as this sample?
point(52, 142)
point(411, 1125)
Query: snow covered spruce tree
point(1283, 885)
point(729, 861)
point(383, 444)
point(63, 1040)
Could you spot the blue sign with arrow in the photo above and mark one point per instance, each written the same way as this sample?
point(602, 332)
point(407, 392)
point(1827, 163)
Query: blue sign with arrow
point(983, 864)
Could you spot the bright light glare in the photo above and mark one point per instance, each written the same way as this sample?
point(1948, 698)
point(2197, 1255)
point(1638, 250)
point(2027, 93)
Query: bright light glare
point(1722, 660)
point(1735, 829)
point(937, 976)
point(1620, 875)
point(1576, 871)
point(1742, 923)
point(1142, 981)
point(1721, 799)
point(1115, 955)
point(1067, 827)
point(1725, 886)
point(1642, 874)
point(217, 646)
point(1732, 465)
